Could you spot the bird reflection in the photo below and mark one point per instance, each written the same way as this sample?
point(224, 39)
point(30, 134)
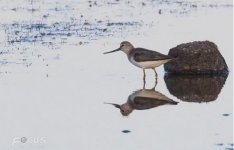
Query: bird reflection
point(191, 88)
point(143, 99)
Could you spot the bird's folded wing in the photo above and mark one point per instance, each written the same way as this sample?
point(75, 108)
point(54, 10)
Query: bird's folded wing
point(141, 103)
point(141, 55)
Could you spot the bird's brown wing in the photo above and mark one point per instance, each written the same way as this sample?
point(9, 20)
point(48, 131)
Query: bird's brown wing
point(141, 55)
point(141, 103)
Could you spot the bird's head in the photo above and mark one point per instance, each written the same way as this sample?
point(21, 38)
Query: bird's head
point(125, 46)
point(125, 109)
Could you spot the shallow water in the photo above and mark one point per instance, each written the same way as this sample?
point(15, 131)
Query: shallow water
point(55, 81)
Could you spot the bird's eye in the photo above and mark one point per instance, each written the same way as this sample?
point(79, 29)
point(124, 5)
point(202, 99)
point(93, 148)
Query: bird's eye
point(121, 45)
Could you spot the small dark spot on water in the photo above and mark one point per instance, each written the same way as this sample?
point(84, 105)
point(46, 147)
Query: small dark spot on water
point(45, 16)
point(226, 115)
point(16, 32)
point(13, 9)
point(194, 5)
point(219, 144)
point(126, 131)
point(86, 23)
point(69, 34)
point(160, 11)
point(32, 10)
point(231, 144)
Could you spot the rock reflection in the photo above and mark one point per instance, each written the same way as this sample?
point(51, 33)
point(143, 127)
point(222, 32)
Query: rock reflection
point(143, 99)
point(199, 88)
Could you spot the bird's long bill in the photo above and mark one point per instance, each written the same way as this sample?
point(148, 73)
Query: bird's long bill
point(116, 105)
point(112, 51)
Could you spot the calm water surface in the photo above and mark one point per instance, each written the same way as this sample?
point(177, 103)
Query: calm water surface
point(55, 82)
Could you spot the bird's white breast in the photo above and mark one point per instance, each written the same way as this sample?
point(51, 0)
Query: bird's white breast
point(148, 64)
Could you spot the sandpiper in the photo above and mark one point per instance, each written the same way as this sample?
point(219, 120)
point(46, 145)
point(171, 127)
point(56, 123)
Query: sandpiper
point(142, 58)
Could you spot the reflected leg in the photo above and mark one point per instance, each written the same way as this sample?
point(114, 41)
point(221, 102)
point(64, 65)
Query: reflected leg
point(156, 77)
point(144, 78)
point(155, 83)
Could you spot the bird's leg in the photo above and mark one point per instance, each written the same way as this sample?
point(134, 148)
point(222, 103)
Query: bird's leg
point(156, 77)
point(144, 78)
point(143, 84)
point(155, 83)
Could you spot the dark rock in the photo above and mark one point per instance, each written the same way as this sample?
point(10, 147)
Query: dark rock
point(199, 88)
point(202, 57)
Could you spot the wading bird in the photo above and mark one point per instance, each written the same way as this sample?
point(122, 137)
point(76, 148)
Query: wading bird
point(142, 58)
